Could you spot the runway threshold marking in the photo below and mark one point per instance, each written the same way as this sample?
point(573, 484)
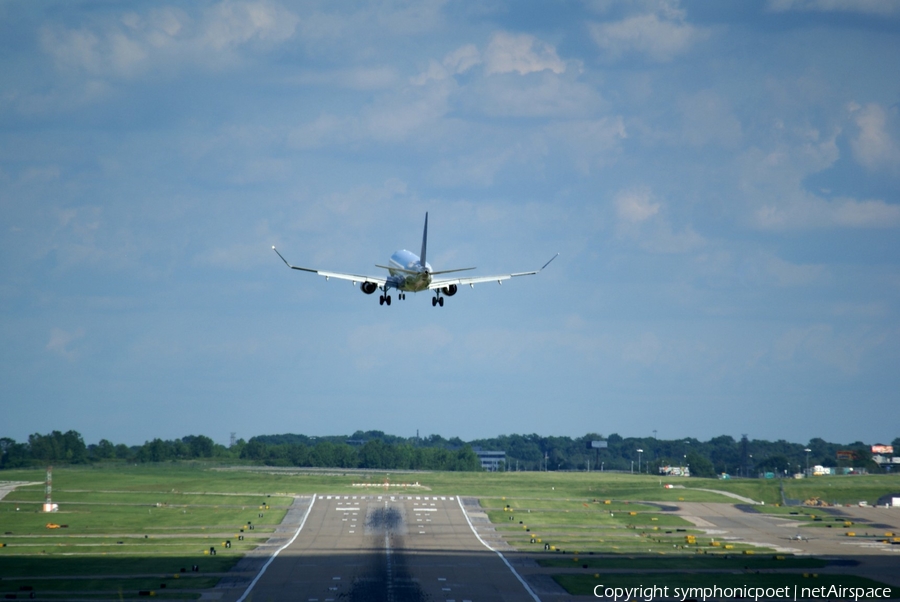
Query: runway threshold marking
point(278, 551)
point(502, 557)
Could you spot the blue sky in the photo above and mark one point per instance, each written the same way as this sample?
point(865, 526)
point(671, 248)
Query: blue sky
point(720, 179)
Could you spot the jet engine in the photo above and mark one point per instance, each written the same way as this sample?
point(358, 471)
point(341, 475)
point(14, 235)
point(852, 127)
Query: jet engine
point(368, 287)
point(449, 290)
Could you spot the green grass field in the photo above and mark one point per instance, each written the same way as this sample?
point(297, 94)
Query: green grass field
point(138, 526)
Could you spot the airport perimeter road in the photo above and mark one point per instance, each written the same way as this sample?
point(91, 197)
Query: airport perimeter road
point(391, 548)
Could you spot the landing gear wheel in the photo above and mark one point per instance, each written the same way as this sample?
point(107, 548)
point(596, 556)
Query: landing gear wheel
point(433, 301)
point(381, 300)
point(387, 299)
point(441, 301)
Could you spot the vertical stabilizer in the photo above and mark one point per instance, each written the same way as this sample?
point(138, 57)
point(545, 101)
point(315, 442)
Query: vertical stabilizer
point(424, 241)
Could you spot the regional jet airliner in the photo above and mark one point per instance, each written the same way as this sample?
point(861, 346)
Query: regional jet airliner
point(410, 273)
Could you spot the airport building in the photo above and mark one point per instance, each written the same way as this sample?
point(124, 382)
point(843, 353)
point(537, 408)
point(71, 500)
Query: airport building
point(492, 461)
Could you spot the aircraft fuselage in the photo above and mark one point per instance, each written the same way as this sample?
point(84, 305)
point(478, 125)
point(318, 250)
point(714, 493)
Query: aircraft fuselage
point(407, 272)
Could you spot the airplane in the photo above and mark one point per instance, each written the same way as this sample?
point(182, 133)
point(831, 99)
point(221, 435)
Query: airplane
point(408, 272)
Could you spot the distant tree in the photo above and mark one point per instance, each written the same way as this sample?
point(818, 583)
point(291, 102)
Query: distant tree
point(700, 466)
point(254, 450)
point(14, 455)
point(156, 450)
point(123, 452)
point(104, 450)
point(58, 447)
point(372, 455)
point(776, 463)
point(199, 446)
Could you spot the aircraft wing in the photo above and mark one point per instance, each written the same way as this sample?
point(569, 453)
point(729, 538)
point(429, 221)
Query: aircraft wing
point(379, 280)
point(472, 281)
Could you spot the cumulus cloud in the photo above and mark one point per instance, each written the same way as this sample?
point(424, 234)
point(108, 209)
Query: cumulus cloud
point(640, 219)
point(462, 59)
point(135, 43)
point(522, 54)
point(660, 35)
point(774, 179)
point(873, 146)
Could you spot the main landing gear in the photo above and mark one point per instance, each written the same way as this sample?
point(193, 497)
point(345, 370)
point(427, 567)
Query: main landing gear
point(387, 298)
point(437, 301)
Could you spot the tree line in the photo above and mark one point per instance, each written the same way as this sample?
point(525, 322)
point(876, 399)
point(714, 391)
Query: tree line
point(377, 450)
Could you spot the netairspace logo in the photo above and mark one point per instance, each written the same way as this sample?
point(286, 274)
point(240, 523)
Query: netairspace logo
point(755, 593)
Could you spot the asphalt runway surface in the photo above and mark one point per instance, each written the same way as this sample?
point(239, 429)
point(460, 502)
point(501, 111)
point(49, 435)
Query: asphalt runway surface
point(383, 548)
point(409, 548)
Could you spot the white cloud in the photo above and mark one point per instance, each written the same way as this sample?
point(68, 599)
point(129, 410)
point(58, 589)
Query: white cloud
point(232, 24)
point(873, 147)
point(660, 35)
point(136, 43)
point(522, 54)
point(774, 184)
point(635, 205)
point(872, 7)
point(462, 59)
point(640, 219)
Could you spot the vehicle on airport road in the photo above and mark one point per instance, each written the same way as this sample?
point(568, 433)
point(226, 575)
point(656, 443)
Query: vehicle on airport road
point(799, 537)
point(408, 272)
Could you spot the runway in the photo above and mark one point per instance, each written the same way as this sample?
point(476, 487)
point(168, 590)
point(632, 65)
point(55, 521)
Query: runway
point(390, 548)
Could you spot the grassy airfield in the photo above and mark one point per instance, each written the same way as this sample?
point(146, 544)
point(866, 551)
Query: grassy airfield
point(134, 528)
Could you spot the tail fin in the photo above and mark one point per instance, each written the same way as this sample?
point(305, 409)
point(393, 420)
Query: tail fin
point(424, 241)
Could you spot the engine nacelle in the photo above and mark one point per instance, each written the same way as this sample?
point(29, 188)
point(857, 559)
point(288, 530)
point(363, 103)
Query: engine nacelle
point(368, 287)
point(449, 290)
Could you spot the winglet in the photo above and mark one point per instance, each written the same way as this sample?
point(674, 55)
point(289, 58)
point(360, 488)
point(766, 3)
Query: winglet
point(424, 241)
point(282, 257)
point(293, 267)
point(545, 265)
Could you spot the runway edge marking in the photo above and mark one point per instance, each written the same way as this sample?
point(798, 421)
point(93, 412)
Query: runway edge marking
point(502, 557)
point(278, 551)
